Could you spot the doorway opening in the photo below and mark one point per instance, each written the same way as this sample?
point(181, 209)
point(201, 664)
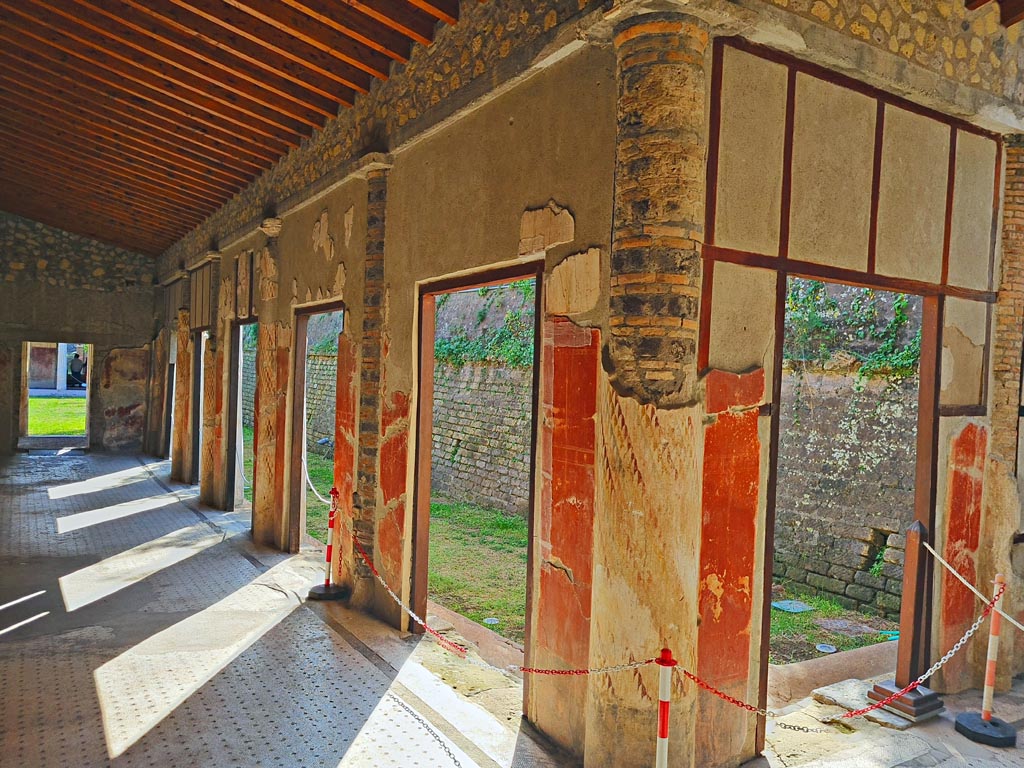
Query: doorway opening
point(57, 383)
point(318, 335)
point(169, 395)
point(198, 388)
point(242, 416)
point(476, 463)
point(846, 470)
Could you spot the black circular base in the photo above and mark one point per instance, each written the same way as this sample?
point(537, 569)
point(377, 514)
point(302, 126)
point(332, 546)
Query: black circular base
point(333, 592)
point(994, 732)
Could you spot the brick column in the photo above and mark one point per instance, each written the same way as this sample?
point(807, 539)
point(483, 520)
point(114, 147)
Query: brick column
point(647, 518)
point(1009, 309)
point(369, 428)
point(659, 207)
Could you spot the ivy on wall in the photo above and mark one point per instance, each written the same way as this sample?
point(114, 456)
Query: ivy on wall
point(871, 329)
point(509, 342)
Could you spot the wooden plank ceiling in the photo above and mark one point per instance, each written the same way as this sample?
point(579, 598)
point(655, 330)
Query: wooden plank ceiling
point(131, 121)
point(1010, 11)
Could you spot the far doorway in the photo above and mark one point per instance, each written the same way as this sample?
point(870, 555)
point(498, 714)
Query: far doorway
point(56, 380)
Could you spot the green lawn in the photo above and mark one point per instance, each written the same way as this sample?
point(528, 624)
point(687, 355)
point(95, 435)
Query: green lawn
point(477, 565)
point(321, 472)
point(795, 635)
point(56, 416)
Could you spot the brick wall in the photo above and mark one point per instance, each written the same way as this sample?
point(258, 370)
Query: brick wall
point(845, 487)
point(249, 387)
point(481, 449)
point(321, 385)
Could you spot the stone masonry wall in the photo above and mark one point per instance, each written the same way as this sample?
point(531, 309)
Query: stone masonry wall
point(492, 43)
point(845, 487)
point(481, 450)
point(248, 387)
point(34, 251)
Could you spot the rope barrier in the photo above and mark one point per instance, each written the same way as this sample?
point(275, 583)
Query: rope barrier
point(970, 586)
point(305, 472)
point(241, 469)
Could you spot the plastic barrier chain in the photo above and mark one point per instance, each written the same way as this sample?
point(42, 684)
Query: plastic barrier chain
point(743, 705)
point(937, 665)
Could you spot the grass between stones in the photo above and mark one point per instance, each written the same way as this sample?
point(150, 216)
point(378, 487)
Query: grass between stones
point(795, 635)
point(56, 416)
point(477, 565)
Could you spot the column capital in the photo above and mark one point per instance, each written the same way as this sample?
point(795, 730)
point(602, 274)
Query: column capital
point(271, 227)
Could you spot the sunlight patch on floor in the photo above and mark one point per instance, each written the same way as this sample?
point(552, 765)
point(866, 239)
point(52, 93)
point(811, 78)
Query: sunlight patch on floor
point(117, 511)
point(102, 482)
point(147, 682)
point(106, 577)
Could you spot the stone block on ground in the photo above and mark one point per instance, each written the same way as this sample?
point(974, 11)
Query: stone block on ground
point(853, 694)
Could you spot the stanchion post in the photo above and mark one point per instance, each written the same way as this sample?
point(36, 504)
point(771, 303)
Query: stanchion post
point(665, 663)
point(327, 590)
point(912, 652)
point(984, 728)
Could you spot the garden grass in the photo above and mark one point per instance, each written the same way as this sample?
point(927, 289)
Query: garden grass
point(477, 565)
point(321, 472)
point(793, 636)
point(56, 416)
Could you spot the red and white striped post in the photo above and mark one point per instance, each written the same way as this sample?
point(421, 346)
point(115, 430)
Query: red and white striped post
point(984, 728)
point(666, 663)
point(327, 590)
point(993, 655)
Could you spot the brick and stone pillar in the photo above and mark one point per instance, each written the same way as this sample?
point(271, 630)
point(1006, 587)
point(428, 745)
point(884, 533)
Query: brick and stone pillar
point(1004, 480)
point(648, 509)
point(659, 207)
point(368, 448)
point(212, 444)
point(181, 441)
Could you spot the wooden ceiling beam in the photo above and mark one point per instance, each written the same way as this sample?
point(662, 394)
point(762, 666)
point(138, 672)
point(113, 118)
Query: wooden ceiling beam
point(398, 16)
point(316, 35)
point(110, 213)
point(143, 33)
point(24, 202)
point(271, 38)
point(144, 98)
point(126, 108)
point(1010, 12)
point(241, 48)
point(349, 21)
point(39, 122)
point(442, 10)
point(94, 48)
point(85, 201)
point(160, 196)
point(143, 201)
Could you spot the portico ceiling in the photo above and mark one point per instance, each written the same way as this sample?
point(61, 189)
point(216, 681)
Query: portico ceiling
point(1010, 11)
point(130, 121)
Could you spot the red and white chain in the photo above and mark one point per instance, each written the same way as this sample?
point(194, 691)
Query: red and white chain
point(938, 664)
point(767, 713)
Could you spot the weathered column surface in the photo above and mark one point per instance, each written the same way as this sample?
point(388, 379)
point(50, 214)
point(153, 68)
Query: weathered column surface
point(650, 439)
point(369, 421)
point(181, 441)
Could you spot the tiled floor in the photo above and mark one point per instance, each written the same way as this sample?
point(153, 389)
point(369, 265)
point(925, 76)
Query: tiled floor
point(139, 629)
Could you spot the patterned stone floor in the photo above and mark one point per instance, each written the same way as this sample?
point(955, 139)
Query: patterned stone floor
point(138, 628)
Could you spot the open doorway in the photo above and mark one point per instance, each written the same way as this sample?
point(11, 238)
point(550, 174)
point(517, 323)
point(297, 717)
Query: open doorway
point(241, 416)
point(57, 380)
point(476, 462)
point(845, 477)
point(199, 341)
point(318, 334)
